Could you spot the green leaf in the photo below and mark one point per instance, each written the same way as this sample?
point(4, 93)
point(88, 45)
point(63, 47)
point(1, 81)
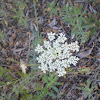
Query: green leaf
point(88, 83)
point(80, 88)
point(58, 83)
point(87, 26)
point(56, 78)
point(45, 78)
point(50, 76)
point(52, 94)
point(83, 12)
point(56, 89)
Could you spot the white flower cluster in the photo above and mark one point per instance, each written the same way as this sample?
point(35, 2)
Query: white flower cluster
point(56, 54)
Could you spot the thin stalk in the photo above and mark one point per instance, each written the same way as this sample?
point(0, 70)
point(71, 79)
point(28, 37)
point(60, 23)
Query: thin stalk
point(36, 18)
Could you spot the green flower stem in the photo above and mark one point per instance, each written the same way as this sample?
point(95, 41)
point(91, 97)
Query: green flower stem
point(36, 18)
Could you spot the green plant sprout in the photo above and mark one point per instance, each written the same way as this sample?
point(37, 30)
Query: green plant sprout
point(74, 18)
point(52, 8)
point(86, 89)
point(22, 20)
point(50, 83)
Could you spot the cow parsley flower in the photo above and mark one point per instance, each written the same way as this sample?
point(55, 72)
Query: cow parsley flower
point(51, 36)
point(39, 49)
point(61, 38)
point(56, 55)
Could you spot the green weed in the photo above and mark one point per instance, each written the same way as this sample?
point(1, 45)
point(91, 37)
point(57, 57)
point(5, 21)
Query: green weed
point(74, 18)
point(5, 73)
point(19, 14)
point(52, 8)
point(50, 83)
point(22, 19)
point(87, 89)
